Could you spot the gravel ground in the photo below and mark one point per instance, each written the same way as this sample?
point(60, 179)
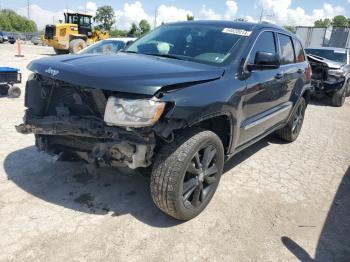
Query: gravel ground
point(275, 202)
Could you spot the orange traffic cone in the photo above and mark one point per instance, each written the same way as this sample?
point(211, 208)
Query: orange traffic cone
point(19, 53)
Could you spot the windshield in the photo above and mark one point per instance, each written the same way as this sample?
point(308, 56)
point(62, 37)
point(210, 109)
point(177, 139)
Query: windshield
point(334, 55)
point(201, 43)
point(104, 48)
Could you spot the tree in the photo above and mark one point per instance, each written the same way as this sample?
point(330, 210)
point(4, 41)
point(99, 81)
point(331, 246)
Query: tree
point(190, 17)
point(144, 26)
point(323, 23)
point(290, 28)
point(134, 30)
point(10, 21)
point(118, 33)
point(340, 20)
point(105, 16)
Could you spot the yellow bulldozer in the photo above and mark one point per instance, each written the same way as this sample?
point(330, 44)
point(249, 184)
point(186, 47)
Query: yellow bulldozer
point(73, 35)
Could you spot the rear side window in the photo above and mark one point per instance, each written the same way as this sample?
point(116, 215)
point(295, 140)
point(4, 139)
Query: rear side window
point(265, 43)
point(299, 52)
point(287, 50)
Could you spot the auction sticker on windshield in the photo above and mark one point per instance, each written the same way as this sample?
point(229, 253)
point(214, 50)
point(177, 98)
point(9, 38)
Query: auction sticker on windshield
point(235, 31)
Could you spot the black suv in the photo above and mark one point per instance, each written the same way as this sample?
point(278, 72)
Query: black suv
point(181, 100)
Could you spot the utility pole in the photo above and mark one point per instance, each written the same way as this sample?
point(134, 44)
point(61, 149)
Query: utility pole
point(263, 14)
point(28, 7)
point(155, 17)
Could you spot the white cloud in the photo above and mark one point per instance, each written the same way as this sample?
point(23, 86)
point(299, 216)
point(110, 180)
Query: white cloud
point(42, 17)
point(283, 14)
point(131, 13)
point(168, 14)
point(209, 14)
point(91, 8)
point(231, 11)
point(251, 19)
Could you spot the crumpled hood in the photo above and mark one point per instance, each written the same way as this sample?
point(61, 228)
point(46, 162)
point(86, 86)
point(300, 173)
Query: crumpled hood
point(329, 63)
point(132, 73)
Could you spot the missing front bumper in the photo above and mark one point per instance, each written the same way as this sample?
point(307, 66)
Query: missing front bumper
point(91, 140)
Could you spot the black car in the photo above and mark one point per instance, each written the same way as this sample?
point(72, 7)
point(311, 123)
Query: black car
point(12, 40)
point(181, 100)
point(330, 72)
point(3, 37)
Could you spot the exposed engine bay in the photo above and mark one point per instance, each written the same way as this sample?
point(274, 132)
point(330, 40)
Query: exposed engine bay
point(67, 120)
point(325, 77)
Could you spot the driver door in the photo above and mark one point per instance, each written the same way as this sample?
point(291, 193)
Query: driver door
point(263, 92)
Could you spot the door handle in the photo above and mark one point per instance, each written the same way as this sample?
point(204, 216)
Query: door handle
point(300, 71)
point(279, 76)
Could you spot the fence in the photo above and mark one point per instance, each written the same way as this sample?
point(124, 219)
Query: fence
point(318, 36)
point(21, 35)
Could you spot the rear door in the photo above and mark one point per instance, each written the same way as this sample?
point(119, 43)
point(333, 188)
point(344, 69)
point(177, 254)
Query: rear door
point(293, 65)
point(263, 94)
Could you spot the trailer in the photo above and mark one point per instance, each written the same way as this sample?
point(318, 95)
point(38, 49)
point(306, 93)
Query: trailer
point(8, 77)
point(311, 36)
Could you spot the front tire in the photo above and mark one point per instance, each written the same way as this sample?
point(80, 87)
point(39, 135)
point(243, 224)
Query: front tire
point(76, 45)
point(338, 98)
point(14, 92)
point(292, 130)
point(60, 51)
point(186, 173)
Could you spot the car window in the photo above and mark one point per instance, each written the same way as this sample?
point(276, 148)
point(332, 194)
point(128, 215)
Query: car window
point(299, 52)
point(287, 50)
point(211, 44)
point(265, 43)
point(104, 48)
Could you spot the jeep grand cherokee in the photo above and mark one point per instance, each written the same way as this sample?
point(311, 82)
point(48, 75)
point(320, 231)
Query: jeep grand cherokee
point(181, 100)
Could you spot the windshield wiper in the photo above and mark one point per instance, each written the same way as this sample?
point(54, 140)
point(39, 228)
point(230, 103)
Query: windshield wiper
point(166, 55)
point(127, 51)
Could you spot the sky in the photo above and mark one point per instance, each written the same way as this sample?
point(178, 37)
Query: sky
point(282, 12)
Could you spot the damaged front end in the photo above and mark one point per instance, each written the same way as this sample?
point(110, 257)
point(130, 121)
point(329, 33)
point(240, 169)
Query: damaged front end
point(68, 120)
point(325, 77)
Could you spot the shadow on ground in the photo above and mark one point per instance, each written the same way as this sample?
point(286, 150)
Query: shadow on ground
point(320, 100)
point(104, 191)
point(334, 241)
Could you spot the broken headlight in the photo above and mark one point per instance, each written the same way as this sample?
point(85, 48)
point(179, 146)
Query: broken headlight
point(336, 72)
point(133, 112)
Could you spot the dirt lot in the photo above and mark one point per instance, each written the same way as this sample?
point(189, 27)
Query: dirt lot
point(276, 202)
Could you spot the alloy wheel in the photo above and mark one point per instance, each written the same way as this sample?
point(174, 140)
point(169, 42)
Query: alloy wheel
point(298, 119)
point(201, 177)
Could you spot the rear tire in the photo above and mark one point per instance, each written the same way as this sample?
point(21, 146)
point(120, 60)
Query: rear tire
point(186, 173)
point(76, 45)
point(61, 51)
point(338, 98)
point(4, 88)
point(14, 92)
point(292, 130)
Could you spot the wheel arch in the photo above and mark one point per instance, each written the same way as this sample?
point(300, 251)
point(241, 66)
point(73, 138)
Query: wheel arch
point(222, 124)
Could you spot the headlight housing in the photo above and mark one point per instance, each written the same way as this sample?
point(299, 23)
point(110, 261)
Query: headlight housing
point(336, 72)
point(133, 112)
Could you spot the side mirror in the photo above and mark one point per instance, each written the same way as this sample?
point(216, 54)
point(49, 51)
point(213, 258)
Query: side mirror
point(265, 60)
